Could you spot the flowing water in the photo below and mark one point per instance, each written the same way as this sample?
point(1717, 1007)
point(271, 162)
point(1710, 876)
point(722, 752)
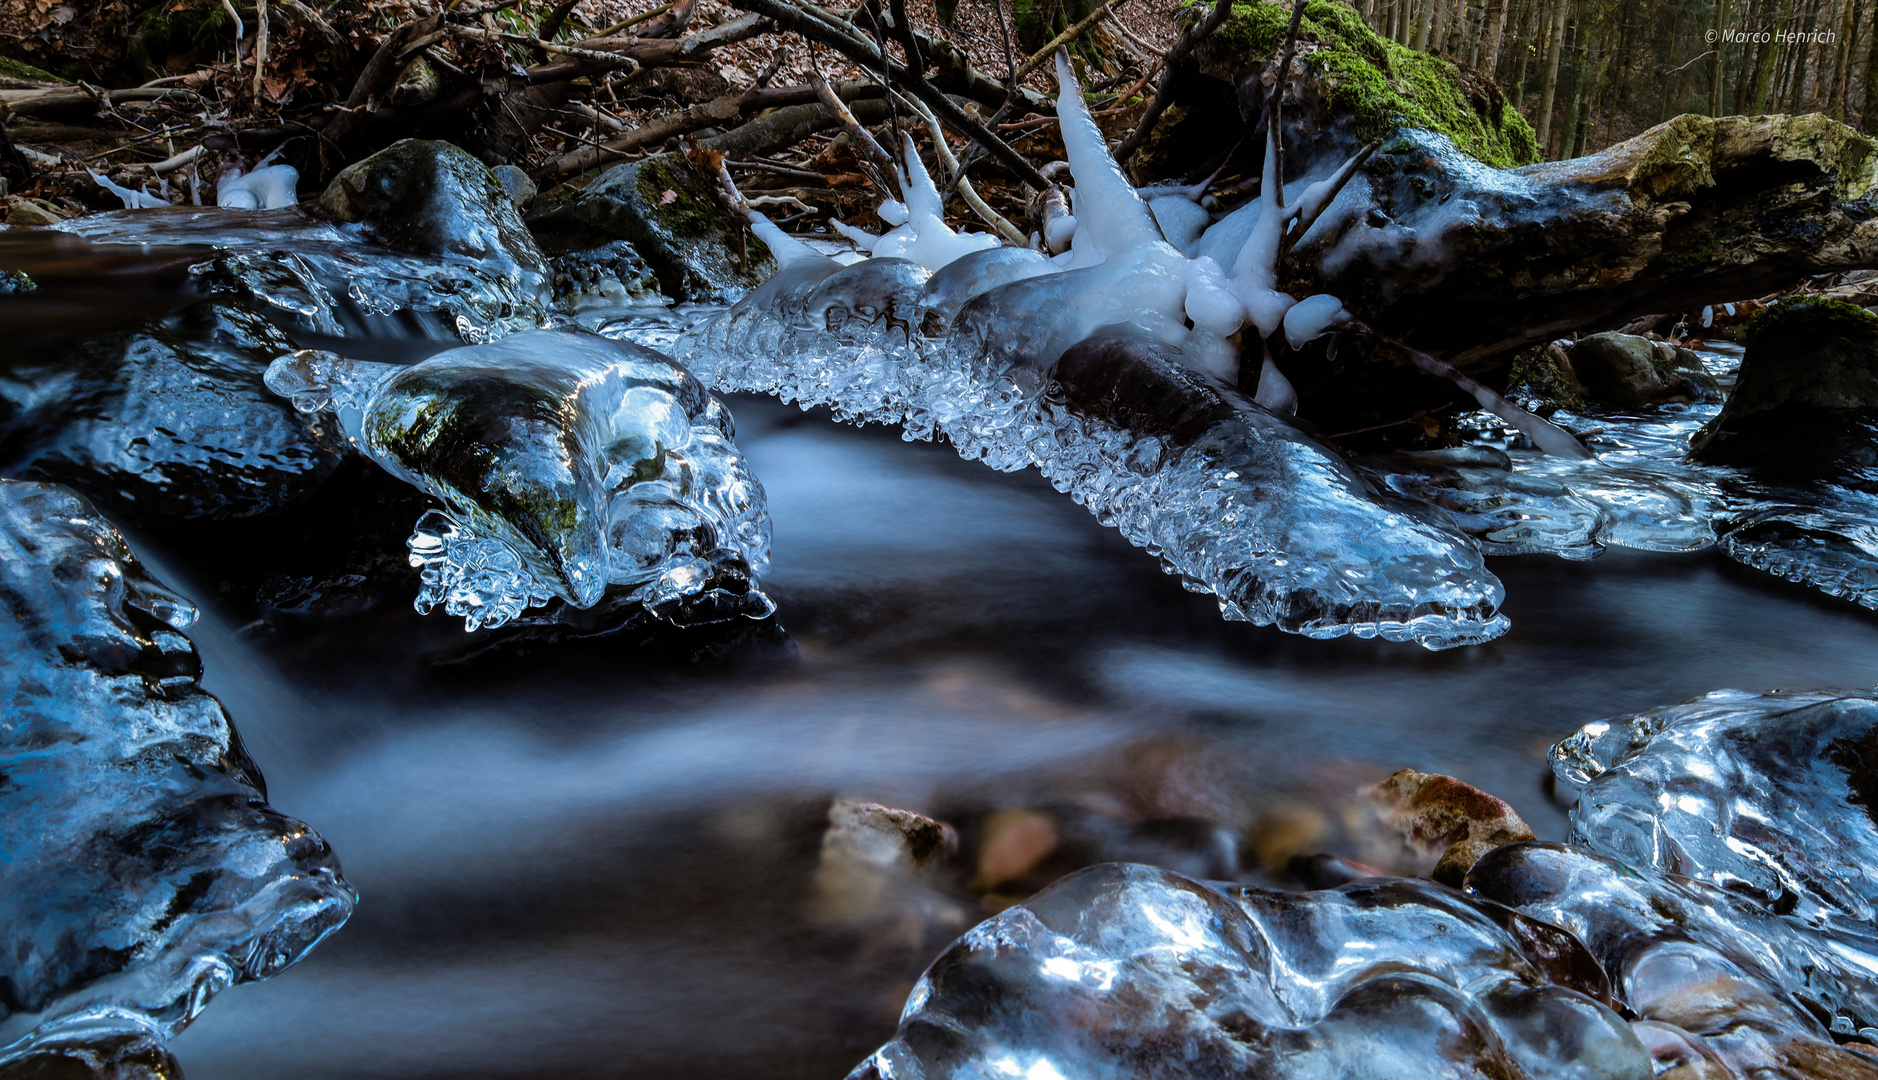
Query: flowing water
point(602, 861)
point(605, 869)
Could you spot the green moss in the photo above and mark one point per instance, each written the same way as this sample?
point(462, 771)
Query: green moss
point(1815, 315)
point(685, 215)
point(1537, 383)
point(1380, 85)
point(14, 69)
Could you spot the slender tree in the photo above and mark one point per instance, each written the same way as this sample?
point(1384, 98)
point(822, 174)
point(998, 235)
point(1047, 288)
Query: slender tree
point(1555, 51)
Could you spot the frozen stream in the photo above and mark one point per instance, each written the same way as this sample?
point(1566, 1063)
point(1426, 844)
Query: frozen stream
point(605, 870)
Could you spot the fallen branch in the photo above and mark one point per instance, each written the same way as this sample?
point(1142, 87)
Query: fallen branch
point(377, 75)
point(1164, 96)
point(718, 110)
point(652, 53)
point(862, 139)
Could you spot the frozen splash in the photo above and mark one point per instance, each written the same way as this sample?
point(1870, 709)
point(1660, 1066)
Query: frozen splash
point(571, 466)
point(141, 869)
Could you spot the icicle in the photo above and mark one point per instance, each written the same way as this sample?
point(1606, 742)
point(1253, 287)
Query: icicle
point(1111, 217)
point(133, 200)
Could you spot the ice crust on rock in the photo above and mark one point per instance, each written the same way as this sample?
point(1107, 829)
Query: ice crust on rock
point(1767, 795)
point(570, 465)
point(141, 869)
point(1123, 970)
point(1011, 357)
point(330, 279)
point(1712, 920)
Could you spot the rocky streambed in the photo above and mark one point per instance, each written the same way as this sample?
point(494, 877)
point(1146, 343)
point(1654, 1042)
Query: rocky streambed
point(748, 714)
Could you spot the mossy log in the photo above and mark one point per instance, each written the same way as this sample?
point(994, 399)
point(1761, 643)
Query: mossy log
point(1475, 263)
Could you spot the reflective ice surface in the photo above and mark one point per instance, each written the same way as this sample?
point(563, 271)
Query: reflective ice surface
point(570, 464)
point(141, 869)
point(1132, 971)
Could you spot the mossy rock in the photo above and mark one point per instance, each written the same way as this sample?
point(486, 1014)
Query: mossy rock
point(1807, 395)
point(1371, 84)
point(698, 249)
point(16, 69)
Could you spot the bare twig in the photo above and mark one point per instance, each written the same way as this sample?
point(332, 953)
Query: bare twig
point(998, 222)
point(863, 140)
point(1164, 96)
point(260, 46)
point(1274, 101)
point(635, 20)
point(788, 16)
point(557, 18)
point(718, 110)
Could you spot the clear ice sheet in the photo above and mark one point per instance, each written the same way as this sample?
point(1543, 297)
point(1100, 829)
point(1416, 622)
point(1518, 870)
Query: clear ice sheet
point(1768, 796)
point(570, 465)
point(141, 869)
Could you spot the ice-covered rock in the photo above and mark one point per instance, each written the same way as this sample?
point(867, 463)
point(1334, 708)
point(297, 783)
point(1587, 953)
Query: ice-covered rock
point(165, 418)
point(418, 228)
point(1717, 982)
point(699, 250)
point(141, 869)
point(570, 464)
point(1769, 795)
point(1124, 970)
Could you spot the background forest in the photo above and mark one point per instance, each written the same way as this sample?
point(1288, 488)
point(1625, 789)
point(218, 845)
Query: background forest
point(1592, 72)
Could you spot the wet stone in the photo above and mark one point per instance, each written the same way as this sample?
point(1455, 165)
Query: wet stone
point(672, 218)
point(1629, 372)
point(1806, 395)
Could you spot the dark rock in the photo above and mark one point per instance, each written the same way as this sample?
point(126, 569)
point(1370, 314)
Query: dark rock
point(141, 869)
point(671, 216)
point(608, 275)
point(1629, 372)
point(125, 1057)
point(432, 198)
point(1807, 394)
point(164, 419)
point(516, 182)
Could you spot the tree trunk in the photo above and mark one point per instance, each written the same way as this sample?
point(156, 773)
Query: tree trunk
point(1529, 17)
point(1549, 91)
point(1842, 58)
point(1868, 119)
point(1715, 62)
point(1495, 32)
point(1424, 16)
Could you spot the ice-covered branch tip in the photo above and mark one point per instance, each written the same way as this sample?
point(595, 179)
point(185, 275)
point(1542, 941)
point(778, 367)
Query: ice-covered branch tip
point(1547, 436)
point(786, 249)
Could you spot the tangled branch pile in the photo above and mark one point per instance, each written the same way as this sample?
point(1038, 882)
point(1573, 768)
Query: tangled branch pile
point(161, 99)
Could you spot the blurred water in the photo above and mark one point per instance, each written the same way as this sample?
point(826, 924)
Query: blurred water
point(602, 871)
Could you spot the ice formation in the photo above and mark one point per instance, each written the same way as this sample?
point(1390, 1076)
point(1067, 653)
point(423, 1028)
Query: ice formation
point(1115, 398)
point(1123, 970)
point(141, 869)
point(1715, 921)
point(570, 465)
point(268, 187)
point(132, 200)
point(921, 233)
